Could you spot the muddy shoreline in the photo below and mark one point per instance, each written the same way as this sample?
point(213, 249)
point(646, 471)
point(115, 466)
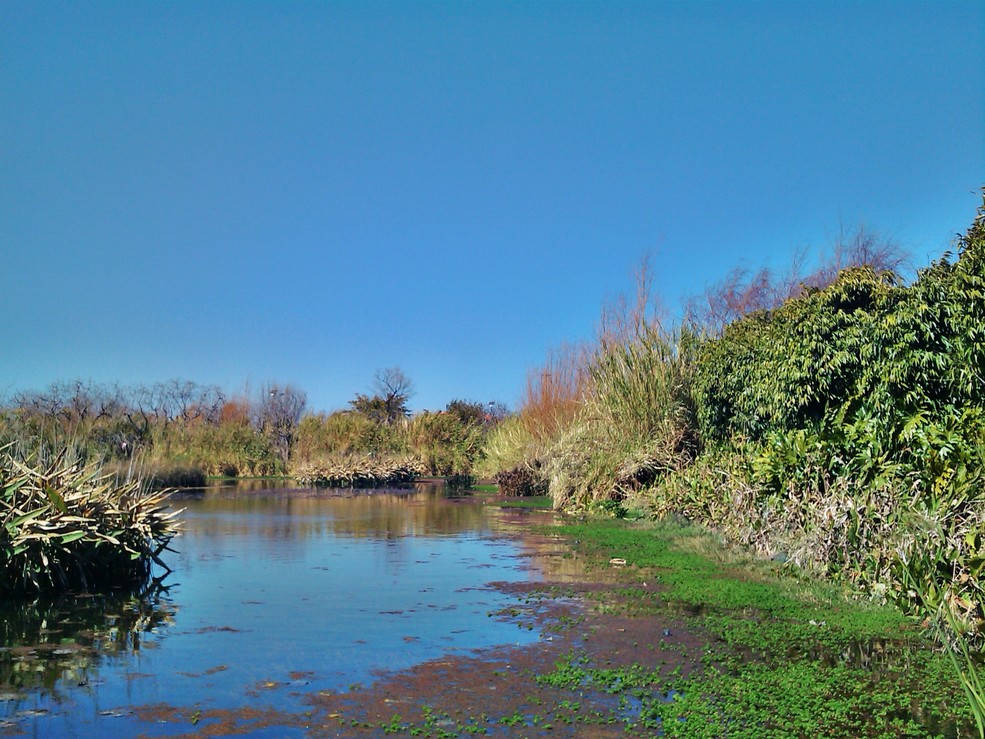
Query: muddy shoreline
point(495, 691)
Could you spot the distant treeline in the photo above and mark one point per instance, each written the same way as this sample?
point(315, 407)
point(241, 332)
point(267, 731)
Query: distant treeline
point(178, 431)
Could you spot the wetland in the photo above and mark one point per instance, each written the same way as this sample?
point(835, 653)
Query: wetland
point(420, 612)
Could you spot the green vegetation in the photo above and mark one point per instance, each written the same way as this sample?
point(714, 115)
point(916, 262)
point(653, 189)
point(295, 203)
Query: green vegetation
point(536, 503)
point(66, 526)
point(785, 657)
point(750, 651)
point(177, 433)
point(834, 421)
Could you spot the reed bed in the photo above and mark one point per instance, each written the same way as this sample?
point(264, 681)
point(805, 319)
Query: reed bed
point(360, 472)
point(67, 526)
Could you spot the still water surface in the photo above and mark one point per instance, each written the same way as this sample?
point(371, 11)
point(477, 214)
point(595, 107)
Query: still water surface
point(271, 590)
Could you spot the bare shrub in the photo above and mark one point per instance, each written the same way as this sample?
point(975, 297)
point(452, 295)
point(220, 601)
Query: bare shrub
point(744, 291)
point(554, 392)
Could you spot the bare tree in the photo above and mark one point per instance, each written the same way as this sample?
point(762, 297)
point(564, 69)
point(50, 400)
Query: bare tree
point(743, 292)
point(859, 248)
point(389, 401)
point(189, 401)
point(277, 413)
point(395, 389)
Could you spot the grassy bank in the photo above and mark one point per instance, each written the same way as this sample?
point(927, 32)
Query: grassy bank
point(665, 630)
point(781, 656)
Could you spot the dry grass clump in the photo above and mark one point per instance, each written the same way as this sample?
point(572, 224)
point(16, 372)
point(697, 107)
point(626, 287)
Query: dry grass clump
point(523, 481)
point(360, 471)
point(67, 527)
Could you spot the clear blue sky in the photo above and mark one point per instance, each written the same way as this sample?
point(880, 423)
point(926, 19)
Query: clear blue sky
point(306, 192)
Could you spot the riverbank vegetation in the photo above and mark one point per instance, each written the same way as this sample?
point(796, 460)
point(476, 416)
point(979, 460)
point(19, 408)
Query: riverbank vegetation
point(66, 526)
point(831, 419)
point(834, 420)
point(176, 433)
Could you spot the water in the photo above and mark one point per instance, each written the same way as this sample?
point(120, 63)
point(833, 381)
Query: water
point(274, 595)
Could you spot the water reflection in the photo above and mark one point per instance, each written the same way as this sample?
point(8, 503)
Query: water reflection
point(300, 514)
point(267, 586)
point(53, 643)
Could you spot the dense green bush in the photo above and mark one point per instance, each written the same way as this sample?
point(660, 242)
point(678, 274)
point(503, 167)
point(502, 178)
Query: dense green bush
point(859, 413)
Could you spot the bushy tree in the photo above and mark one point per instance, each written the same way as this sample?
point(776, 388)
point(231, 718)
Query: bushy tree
point(393, 389)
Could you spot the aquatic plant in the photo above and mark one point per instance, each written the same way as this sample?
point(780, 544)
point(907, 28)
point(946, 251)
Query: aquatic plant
point(70, 526)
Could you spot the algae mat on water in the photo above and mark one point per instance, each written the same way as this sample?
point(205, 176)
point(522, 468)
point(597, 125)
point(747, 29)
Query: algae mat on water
point(654, 630)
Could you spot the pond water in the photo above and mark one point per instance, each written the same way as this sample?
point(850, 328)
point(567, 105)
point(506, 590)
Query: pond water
point(275, 595)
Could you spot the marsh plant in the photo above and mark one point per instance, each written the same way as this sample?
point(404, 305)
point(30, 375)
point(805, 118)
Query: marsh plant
point(69, 526)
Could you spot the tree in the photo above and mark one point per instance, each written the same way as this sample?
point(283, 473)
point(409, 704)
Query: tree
point(389, 402)
point(471, 412)
point(468, 412)
point(277, 413)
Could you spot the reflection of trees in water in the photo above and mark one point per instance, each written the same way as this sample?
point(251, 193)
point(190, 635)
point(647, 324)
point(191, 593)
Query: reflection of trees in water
point(58, 642)
point(303, 514)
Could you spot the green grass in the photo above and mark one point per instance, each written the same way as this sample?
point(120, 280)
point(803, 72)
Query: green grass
point(534, 502)
point(776, 655)
point(785, 656)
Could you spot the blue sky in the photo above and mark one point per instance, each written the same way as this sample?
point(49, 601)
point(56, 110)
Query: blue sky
point(307, 192)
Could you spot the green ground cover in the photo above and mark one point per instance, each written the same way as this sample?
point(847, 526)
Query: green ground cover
point(784, 656)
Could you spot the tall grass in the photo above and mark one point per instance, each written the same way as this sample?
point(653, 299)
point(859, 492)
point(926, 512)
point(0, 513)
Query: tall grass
point(634, 424)
point(509, 445)
point(444, 444)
